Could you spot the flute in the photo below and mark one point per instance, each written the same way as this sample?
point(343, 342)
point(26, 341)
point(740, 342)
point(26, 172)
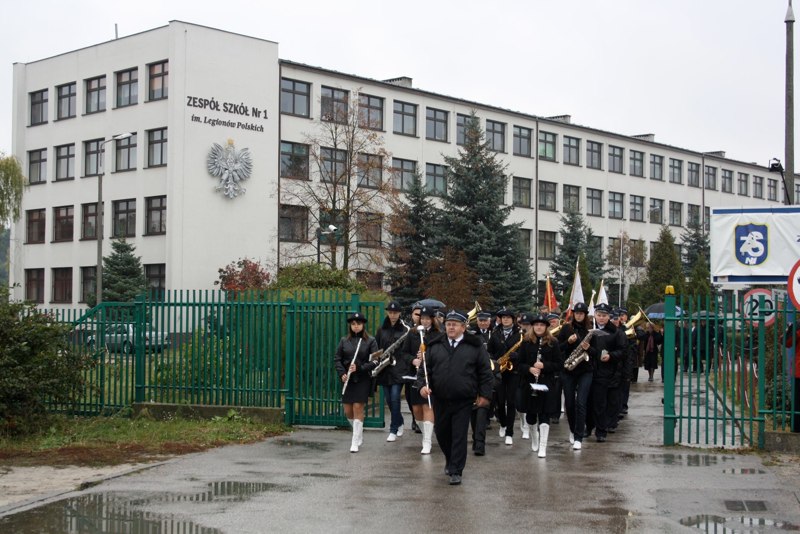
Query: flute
point(349, 367)
point(421, 330)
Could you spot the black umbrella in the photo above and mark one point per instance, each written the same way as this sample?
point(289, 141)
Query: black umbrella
point(705, 315)
point(656, 311)
point(431, 303)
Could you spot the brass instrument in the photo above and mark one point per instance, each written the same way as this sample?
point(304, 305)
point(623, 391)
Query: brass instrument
point(387, 356)
point(578, 355)
point(504, 361)
point(555, 330)
point(633, 322)
point(472, 316)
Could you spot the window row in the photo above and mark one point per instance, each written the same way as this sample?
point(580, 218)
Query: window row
point(123, 221)
point(547, 247)
point(293, 226)
point(94, 91)
point(61, 283)
point(125, 157)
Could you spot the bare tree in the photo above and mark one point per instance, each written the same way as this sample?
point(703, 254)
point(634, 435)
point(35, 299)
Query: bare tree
point(348, 186)
point(627, 260)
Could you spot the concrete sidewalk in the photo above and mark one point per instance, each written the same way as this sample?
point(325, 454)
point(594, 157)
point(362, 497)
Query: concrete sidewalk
point(309, 482)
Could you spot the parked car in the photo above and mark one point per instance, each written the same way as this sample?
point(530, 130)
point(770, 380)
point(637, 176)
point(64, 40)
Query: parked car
point(122, 338)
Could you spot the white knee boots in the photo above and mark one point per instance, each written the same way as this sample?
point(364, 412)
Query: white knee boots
point(524, 426)
point(427, 436)
point(358, 434)
point(544, 432)
point(535, 438)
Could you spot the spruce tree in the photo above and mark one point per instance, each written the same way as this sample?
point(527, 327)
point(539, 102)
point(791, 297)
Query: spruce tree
point(663, 269)
point(699, 279)
point(474, 220)
point(573, 243)
point(595, 262)
point(123, 275)
point(695, 243)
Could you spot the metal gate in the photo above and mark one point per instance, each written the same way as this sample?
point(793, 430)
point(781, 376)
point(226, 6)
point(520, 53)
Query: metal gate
point(728, 375)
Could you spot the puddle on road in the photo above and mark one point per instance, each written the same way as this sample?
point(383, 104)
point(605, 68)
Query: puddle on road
point(743, 471)
point(736, 524)
point(690, 460)
point(121, 511)
point(312, 445)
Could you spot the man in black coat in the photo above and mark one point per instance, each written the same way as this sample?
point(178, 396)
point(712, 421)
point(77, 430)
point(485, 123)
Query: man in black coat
point(607, 350)
point(459, 375)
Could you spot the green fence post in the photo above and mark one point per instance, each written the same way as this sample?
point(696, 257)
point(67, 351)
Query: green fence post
point(289, 357)
point(669, 366)
point(139, 320)
point(762, 379)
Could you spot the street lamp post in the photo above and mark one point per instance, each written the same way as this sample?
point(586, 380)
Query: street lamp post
point(99, 214)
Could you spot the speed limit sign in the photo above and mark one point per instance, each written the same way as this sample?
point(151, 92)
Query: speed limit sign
point(752, 309)
point(793, 284)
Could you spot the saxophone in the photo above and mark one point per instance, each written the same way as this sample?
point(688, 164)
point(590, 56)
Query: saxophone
point(504, 361)
point(386, 357)
point(578, 355)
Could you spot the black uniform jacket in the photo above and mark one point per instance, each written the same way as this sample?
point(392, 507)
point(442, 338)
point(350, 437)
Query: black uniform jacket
point(344, 355)
point(580, 331)
point(552, 360)
point(461, 374)
point(388, 334)
point(611, 339)
point(499, 345)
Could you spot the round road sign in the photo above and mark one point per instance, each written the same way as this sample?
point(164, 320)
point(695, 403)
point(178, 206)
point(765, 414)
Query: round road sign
point(751, 307)
point(793, 285)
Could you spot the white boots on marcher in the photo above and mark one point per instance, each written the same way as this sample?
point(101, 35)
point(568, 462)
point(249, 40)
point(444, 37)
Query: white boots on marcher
point(427, 437)
point(535, 438)
point(524, 426)
point(358, 434)
point(544, 432)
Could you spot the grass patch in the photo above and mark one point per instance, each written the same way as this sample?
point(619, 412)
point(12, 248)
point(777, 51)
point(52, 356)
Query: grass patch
point(96, 441)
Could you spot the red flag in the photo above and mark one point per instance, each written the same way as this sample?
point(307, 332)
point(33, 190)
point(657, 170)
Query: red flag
point(550, 296)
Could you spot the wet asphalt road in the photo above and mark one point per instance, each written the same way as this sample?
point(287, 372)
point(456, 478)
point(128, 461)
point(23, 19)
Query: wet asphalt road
point(308, 482)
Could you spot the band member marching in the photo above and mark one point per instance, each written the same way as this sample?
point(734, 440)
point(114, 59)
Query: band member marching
point(577, 382)
point(353, 367)
point(391, 378)
point(411, 350)
point(539, 360)
point(608, 352)
point(503, 340)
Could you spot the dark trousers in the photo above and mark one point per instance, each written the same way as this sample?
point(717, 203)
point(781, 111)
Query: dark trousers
point(451, 427)
point(605, 403)
point(392, 395)
point(554, 399)
point(576, 398)
point(479, 420)
point(506, 401)
point(625, 394)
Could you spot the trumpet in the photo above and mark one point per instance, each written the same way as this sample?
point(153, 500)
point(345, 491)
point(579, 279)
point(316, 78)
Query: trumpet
point(633, 322)
point(504, 361)
point(473, 313)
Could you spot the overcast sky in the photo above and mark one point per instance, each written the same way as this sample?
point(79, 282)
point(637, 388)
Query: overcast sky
point(699, 74)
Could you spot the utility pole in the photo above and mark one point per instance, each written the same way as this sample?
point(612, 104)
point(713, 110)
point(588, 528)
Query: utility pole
point(789, 138)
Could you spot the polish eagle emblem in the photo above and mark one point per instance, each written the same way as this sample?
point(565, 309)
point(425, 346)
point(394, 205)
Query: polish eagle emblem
point(231, 166)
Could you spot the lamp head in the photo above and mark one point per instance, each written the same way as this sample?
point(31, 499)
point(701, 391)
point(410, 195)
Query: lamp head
point(332, 228)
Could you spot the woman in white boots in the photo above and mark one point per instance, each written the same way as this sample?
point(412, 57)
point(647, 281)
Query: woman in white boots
point(539, 359)
point(419, 406)
point(354, 367)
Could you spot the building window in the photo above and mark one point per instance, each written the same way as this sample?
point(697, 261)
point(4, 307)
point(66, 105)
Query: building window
point(368, 230)
point(572, 198)
point(636, 163)
point(656, 167)
point(594, 246)
point(547, 195)
point(156, 275)
point(436, 124)
point(546, 245)
point(594, 155)
point(615, 156)
point(335, 104)
point(295, 97)
point(65, 162)
point(675, 171)
point(521, 192)
point(461, 128)
point(66, 101)
point(62, 285)
point(63, 223)
point(126, 153)
point(772, 189)
point(334, 165)
point(496, 135)
point(34, 285)
point(594, 202)
point(159, 80)
point(707, 217)
point(522, 141)
point(38, 107)
point(156, 215)
point(34, 226)
point(405, 118)
point(744, 181)
point(96, 94)
point(93, 157)
point(37, 166)
point(127, 87)
point(758, 187)
point(370, 112)
point(525, 241)
point(572, 150)
point(711, 178)
point(694, 175)
point(403, 171)
point(693, 214)
point(727, 181)
point(124, 218)
point(370, 171)
point(372, 280)
point(89, 221)
point(293, 223)
point(547, 146)
point(675, 213)
point(616, 204)
point(88, 282)
point(637, 208)
point(157, 147)
point(656, 211)
point(435, 181)
point(294, 160)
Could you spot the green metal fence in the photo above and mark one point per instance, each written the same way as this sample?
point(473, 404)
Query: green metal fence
point(728, 376)
point(255, 349)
